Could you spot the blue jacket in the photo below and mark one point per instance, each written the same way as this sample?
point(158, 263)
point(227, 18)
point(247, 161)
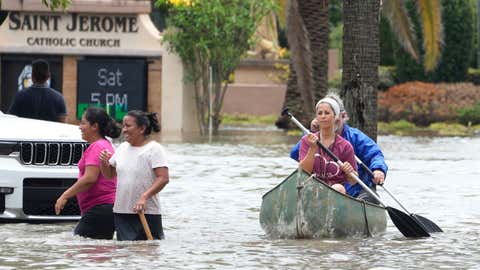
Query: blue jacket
point(366, 149)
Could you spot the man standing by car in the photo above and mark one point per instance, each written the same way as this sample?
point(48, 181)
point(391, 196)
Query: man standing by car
point(39, 101)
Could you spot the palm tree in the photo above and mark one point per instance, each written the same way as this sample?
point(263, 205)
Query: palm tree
point(307, 33)
point(361, 58)
point(431, 23)
point(361, 51)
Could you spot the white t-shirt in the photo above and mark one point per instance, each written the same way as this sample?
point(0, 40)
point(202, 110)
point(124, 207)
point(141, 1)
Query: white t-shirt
point(135, 174)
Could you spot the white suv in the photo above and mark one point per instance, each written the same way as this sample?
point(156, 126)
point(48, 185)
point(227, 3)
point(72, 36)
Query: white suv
point(37, 163)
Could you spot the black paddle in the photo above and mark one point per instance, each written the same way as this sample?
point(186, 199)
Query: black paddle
point(406, 224)
point(429, 225)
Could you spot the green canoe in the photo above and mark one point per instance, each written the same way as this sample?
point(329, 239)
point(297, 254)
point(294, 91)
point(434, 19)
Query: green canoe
point(304, 207)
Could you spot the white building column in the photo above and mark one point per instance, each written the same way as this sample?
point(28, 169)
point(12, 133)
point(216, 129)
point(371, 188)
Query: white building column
point(178, 101)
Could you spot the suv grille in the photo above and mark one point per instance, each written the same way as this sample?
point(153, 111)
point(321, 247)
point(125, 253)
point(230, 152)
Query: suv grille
point(40, 195)
point(50, 153)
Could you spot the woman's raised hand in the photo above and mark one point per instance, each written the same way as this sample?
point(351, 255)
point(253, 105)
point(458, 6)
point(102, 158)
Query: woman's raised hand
point(105, 156)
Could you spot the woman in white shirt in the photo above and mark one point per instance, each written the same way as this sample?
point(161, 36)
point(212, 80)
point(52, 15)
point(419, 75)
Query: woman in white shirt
point(142, 172)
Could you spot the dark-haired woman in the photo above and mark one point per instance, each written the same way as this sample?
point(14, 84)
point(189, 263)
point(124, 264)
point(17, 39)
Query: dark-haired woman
point(95, 194)
point(141, 167)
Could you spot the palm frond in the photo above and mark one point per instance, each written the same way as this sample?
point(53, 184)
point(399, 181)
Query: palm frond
point(401, 25)
point(282, 6)
point(431, 20)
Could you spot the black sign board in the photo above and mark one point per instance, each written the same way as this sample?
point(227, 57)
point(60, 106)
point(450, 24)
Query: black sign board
point(118, 85)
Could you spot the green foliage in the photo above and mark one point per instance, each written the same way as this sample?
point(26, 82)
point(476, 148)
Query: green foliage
point(336, 81)
point(457, 18)
point(336, 34)
point(449, 129)
point(407, 68)
point(470, 116)
point(386, 43)
point(386, 77)
point(473, 76)
point(404, 128)
point(475, 45)
point(401, 127)
point(55, 4)
point(215, 33)
point(210, 37)
point(335, 12)
point(244, 119)
point(457, 50)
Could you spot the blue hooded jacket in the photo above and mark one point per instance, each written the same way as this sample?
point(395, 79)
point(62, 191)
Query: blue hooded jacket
point(365, 149)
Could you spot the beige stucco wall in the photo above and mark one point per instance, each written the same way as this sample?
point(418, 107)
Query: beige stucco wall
point(257, 89)
point(178, 102)
point(154, 94)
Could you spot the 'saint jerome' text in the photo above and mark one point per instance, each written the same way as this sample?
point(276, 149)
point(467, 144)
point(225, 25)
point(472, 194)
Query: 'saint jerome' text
point(82, 23)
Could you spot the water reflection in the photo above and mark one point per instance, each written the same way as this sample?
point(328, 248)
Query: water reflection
point(212, 205)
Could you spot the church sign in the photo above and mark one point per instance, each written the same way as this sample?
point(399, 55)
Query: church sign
point(73, 33)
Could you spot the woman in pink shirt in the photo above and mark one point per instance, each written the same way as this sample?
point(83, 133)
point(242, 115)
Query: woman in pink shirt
point(316, 161)
point(95, 194)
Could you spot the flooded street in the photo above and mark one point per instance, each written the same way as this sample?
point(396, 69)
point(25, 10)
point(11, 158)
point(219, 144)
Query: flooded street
point(212, 203)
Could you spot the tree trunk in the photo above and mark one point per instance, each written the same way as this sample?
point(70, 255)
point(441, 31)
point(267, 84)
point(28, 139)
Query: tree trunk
point(293, 101)
point(315, 16)
point(316, 22)
point(361, 56)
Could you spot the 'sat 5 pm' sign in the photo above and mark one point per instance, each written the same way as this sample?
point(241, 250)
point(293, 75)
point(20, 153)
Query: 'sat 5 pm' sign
point(116, 85)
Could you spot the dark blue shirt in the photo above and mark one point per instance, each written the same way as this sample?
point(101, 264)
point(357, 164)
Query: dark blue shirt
point(38, 102)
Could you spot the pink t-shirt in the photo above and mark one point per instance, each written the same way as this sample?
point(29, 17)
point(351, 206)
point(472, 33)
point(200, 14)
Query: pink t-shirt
point(103, 191)
point(324, 166)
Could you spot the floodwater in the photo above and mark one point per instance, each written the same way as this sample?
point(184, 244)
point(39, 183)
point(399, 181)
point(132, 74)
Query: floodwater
point(212, 202)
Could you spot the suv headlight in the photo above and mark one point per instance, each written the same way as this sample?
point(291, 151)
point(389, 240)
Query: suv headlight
point(7, 148)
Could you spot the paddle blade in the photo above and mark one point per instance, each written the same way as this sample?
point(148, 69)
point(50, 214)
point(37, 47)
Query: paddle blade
point(406, 224)
point(427, 224)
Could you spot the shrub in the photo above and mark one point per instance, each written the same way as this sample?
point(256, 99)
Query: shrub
point(424, 103)
point(386, 77)
point(470, 115)
point(473, 76)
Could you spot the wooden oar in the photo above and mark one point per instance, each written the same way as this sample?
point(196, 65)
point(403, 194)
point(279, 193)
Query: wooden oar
point(148, 233)
point(429, 225)
point(406, 224)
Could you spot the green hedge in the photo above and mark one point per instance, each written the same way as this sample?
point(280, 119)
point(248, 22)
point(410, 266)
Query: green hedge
point(470, 116)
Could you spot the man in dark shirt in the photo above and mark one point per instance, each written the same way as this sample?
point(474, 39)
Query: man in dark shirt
point(39, 101)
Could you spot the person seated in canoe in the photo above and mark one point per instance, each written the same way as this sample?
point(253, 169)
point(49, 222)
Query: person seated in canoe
point(365, 149)
point(314, 160)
